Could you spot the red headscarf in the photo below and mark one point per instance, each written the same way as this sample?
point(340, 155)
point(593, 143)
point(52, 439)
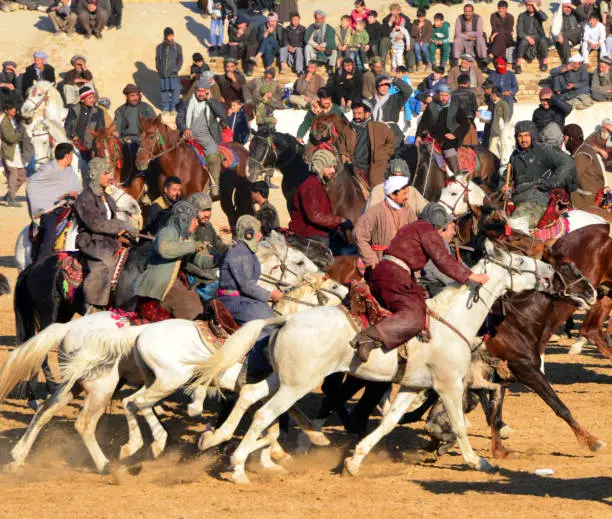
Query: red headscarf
point(501, 65)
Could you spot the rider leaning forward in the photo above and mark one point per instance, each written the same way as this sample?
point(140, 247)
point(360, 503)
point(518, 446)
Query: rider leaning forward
point(393, 284)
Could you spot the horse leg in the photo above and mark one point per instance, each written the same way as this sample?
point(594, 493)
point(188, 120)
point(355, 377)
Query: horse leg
point(592, 327)
point(314, 435)
point(135, 441)
point(400, 405)
point(282, 400)
point(196, 405)
point(249, 394)
point(528, 374)
point(43, 415)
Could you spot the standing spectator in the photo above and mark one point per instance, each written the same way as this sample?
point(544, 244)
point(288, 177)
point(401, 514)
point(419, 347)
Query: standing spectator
point(83, 118)
point(238, 122)
point(386, 107)
point(601, 81)
point(506, 81)
point(323, 105)
point(168, 61)
point(270, 38)
point(40, 70)
point(571, 29)
point(375, 31)
point(306, 87)
point(346, 84)
point(284, 9)
point(343, 38)
point(422, 31)
point(359, 45)
point(594, 38)
point(116, 14)
point(531, 38)
point(440, 41)
point(501, 114)
point(75, 78)
point(93, 15)
point(359, 13)
point(393, 19)
point(369, 77)
point(16, 152)
point(231, 83)
point(198, 66)
point(502, 27)
point(266, 212)
point(217, 17)
point(469, 35)
point(466, 100)
point(552, 110)
point(467, 66)
point(62, 17)
point(8, 84)
point(292, 49)
point(239, 37)
point(320, 41)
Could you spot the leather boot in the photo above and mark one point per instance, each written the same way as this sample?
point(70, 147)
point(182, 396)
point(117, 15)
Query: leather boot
point(366, 341)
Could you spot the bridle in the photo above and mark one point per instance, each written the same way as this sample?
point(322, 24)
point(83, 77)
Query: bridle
point(515, 271)
point(44, 98)
point(465, 196)
point(566, 286)
point(161, 142)
point(426, 184)
point(320, 292)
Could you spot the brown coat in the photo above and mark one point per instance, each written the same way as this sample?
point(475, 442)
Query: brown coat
point(455, 72)
point(382, 147)
point(591, 177)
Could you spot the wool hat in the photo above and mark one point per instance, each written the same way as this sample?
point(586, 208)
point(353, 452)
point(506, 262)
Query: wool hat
point(376, 59)
point(131, 88)
point(380, 78)
point(96, 167)
point(445, 88)
point(273, 16)
point(40, 54)
point(201, 201)
point(168, 31)
point(206, 81)
point(8, 64)
point(270, 71)
point(525, 126)
point(607, 121)
point(395, 7)
point(576, 58)
point(86, 90)
point(76, 57)
point(606, 60)
point(322, 159)
point(394, 183)
point(241, 19)
point(230, 60)
point(247, 228)
point(398, 166)
point(436, 215)
point(320, 12)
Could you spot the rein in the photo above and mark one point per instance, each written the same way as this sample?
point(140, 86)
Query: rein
point(160, 140)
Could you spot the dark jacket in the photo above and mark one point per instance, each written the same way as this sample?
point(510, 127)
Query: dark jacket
point(451, 119)
point(466, 99)
point(239, 125)
point(502, 26)
point(240, 271)
point(600, 86)
point(80, 120)
point(231, 90)
point(395, 104)
point(102, 4)
point(312, 214)
point(422, 34)
point(293, 36)
point(29, 76)
point(168, 59)
point(73, 74)
point(127, 118)
point(531, 25)
point(386, 30)
point(7, 94)
point(505, 82)
point(428, 87)
point(347, 88)
point(375, 32)
point(579, 77)
point(97, 235)
point(557, 113)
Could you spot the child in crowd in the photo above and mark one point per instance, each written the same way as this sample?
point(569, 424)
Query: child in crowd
point(360, 44)
point(375, 30)
point(264, 112)
point(217, 17)
point(412, 107)
point(440, 40)
point(422, 30)
point(197, 67)
point(343, 39)
point(238, 121)
point(400, 43)
point(359, 13)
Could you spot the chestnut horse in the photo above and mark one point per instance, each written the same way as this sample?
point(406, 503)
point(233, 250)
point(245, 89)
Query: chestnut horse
point(177, 158)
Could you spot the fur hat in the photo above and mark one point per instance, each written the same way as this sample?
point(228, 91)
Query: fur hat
point(181, 216)
point(322, 159)
point(247, 228)
point(525, 126)
point(96, 167)
point(201, 201)
point(398, 166)
point(380, 78)
point(436, 215)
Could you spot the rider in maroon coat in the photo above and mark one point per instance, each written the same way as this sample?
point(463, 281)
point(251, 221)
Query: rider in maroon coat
point(393, 284)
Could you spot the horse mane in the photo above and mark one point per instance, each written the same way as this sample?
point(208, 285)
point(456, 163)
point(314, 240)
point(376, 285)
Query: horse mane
point(171, 137)
point(446, 299)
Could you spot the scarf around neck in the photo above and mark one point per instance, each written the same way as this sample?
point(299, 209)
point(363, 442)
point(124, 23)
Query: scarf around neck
point(377, 114)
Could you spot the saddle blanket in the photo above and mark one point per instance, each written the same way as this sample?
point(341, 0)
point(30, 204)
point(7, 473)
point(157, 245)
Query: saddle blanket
point(230, 159)
point(208, 336)
point(571, 221)
point(467, 158)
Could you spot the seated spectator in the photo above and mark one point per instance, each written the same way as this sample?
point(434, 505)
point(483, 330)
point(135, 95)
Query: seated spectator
point(161, 208)
point(306, 87)
point(231, 83)
point(421, 32)
point(93, 15)
point(392, 20)
point(506, 81)
point(375, 30)
point(571, 29)
point(323, 105)
point(429, 87)
point(343, 38)
point(552, 110)
point(8, 85)
point(40, 70)
point(501, 115)
point(359, 13)
point(440, 41)
point(292, 50)
point(346, 85)
point(75, 78)
point(266, 213)
point(469, 35)
point(360, 45)
point(252, 90)
point(270, 38)
point(594, 38)
point(238, 122)
point(502, 27)
point(467, 66)
point(197, 67)
point(62, 17)
point(571, 83)
point(465, 98)
point(320, 41)
point(369, 77)
point(601, 81)
point(217, 18)
point(531, 38)
point(242, 43)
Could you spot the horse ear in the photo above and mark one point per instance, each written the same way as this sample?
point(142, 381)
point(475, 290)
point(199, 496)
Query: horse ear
point(158, 119)
point(490, 248)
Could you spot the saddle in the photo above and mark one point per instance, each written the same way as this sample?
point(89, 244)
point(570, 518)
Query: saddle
point(466, 157)
point(554, 224)
point(230, 159)
point(364, 309)
point(220, 321)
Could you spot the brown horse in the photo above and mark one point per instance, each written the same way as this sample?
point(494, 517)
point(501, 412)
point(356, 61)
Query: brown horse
point(177, 158)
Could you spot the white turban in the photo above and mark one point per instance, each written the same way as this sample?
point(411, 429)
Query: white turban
point(395, 183)
point(576, 58)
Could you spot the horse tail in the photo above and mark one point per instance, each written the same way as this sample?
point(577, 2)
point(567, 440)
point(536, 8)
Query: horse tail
point(237, 346)
point(100, 354)
point(26, 360)
point(26, 322)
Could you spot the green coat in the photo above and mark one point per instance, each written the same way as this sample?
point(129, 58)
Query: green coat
point(11, 137)
point(164, 263)
point(330, 41)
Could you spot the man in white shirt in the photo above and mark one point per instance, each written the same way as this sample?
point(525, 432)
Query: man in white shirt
point(594, 38)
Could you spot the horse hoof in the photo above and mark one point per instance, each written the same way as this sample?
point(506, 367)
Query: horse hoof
point(506, 431)
point(318, 438)
point(205, 440)
point(125, 452)
point(240, 478)
point(576, 348)
point(157, 448)
point(598, 445)
point(485, 466)
point(274, 468)
point(502, 454)
point(15, 467)
point(351, 467)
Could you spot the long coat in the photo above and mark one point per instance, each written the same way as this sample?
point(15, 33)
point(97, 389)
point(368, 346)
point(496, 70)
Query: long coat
point(591, 177)
point(312, 214)
point(382, 147)
point(11, 137)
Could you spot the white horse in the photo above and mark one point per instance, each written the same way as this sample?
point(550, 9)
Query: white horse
point(459, 194)
point(313, 344)
point(127, 209)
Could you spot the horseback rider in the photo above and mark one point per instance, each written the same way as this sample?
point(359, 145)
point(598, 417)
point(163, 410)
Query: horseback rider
point(393, 284)
point(99, 231)
point(535, 170)
point(163, 281)
point(83, 117)
point(54, 181)
point(266, 212)
point(239, 291)
point(447, 124)
point(198, 119)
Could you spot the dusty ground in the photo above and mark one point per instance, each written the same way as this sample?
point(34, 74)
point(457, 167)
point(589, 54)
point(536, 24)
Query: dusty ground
point(59, 481)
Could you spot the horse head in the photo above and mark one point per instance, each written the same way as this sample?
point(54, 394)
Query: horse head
point(325, 128)
point(281, 262)
point(128, 209)
point(44, 101)
point(107, 145)
point(151, 141)
point(460, 195)
point(569, 282)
